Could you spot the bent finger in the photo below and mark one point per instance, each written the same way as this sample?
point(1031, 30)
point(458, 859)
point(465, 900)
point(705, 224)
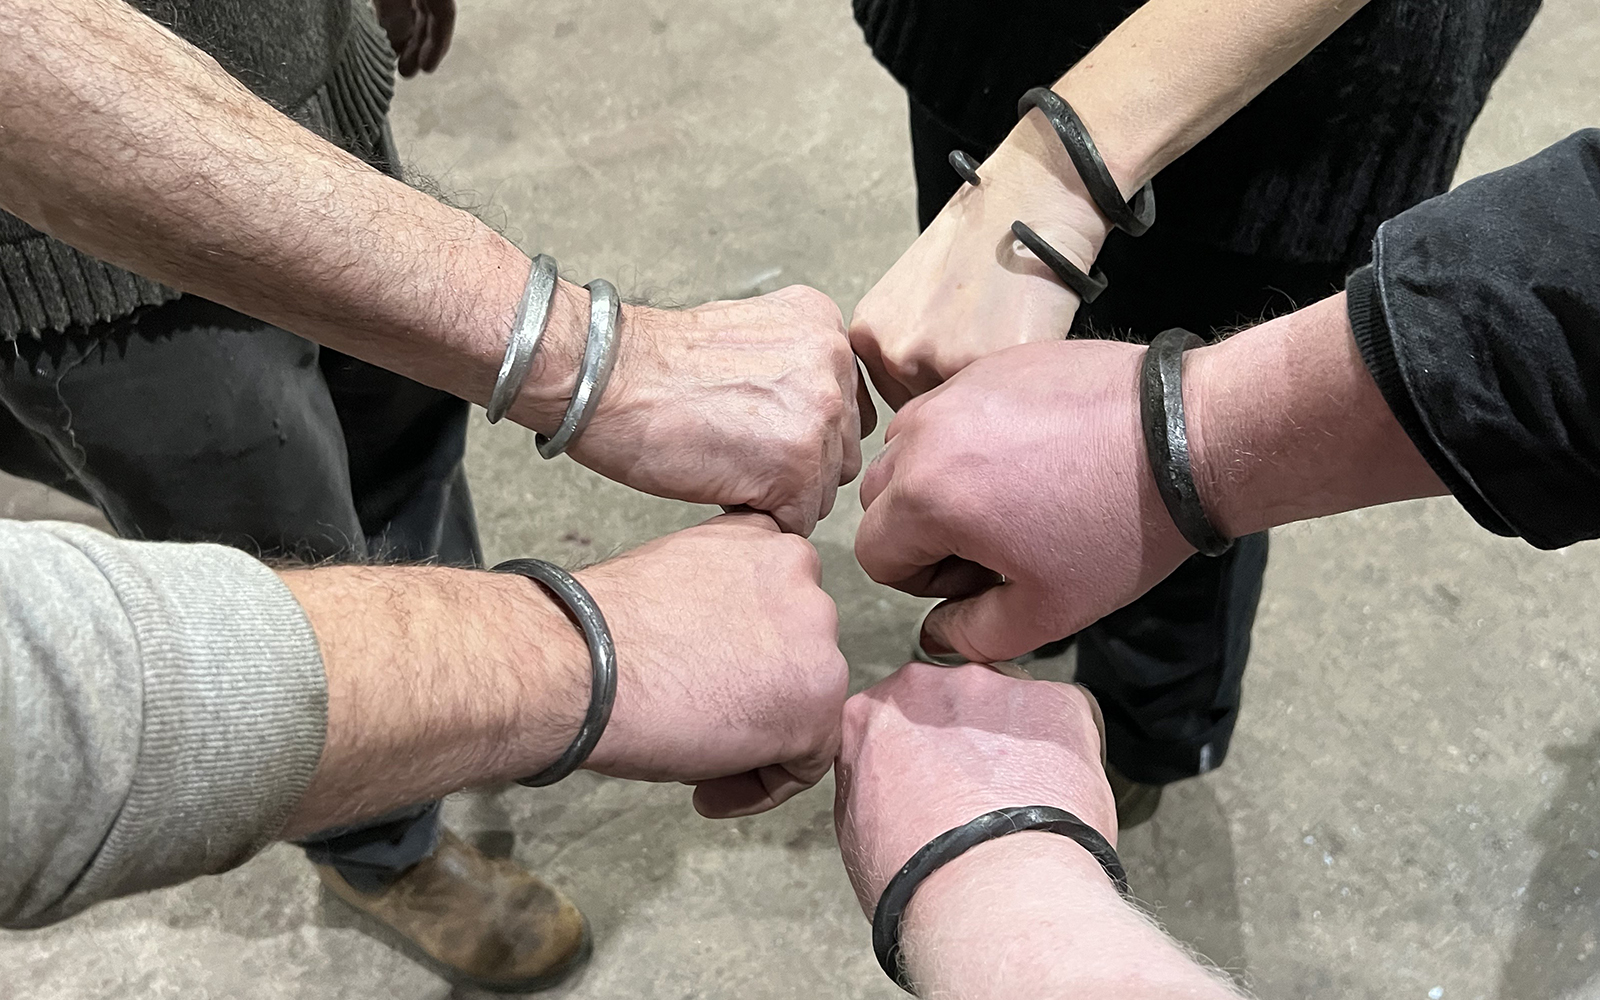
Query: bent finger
point(798, 515)
point(894, 544)
point(996, 624)
point(745, 517)
point(749, 793)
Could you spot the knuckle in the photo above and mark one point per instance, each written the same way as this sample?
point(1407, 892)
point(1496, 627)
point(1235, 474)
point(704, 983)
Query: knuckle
point(801, 555)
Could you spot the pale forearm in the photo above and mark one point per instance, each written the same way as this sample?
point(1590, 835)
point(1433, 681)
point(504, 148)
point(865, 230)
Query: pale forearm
point(125, 141)
point(1033, 915)
point(1153, 88)
point(1286, 424)
point(437, 679)
point(1176, 69)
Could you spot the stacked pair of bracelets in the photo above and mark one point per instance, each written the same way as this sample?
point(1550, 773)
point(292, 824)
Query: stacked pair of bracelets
point(1133, 217)
point(527, 331)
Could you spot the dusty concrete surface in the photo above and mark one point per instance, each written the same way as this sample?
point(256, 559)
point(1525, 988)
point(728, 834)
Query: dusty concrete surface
point(1411, 802)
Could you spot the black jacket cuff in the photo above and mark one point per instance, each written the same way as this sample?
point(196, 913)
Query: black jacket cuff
point(1364, 305)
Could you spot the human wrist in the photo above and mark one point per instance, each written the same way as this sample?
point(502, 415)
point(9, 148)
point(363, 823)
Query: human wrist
point(1131, 145)
point(1285, 423)
point(971, 930)
point(1031, 169)
point(542, 401)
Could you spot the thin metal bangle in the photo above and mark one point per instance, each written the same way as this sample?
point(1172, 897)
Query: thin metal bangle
point(1086, 286)
point(1133, 217)
point(599, 356)
point(533, 315)
point(1166, 440)
point(602, 663)
point(951, 844)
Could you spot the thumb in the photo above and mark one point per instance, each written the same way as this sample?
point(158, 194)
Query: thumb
point(997, 624)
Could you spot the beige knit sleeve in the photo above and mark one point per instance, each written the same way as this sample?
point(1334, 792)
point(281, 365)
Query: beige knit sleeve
point(162, 709)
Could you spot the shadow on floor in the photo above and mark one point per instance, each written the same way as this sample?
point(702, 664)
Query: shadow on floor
point(1555, 952)
point(1181, 865)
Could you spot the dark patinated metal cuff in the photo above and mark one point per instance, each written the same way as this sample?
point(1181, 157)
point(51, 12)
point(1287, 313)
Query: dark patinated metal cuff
point(1166, 440)
point(951, 844)
point(1087, 286)
point(1133, 217)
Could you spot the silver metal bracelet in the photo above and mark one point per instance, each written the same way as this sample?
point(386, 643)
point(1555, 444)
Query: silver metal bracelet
point(599, 356)
point(533, 315)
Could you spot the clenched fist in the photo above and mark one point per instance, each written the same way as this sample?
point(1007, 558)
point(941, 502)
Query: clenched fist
point(419, 32)
point(730, 674)
point(1020, 490)
point(932, 747)
point(965, 289)
point(752, 403)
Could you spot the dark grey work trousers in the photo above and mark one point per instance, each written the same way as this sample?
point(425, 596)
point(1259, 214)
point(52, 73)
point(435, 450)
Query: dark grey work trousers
point(1168, 668)
point(191, 422)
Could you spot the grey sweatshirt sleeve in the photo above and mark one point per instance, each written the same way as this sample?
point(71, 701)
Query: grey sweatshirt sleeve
point(162, 709)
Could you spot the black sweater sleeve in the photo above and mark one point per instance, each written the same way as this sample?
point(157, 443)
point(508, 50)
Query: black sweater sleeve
point(1479, 318)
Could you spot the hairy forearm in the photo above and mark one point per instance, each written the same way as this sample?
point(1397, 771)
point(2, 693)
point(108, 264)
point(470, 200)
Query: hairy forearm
point(123, 140)
point(1286, 424)
point(437, 679)
point(1033, 915)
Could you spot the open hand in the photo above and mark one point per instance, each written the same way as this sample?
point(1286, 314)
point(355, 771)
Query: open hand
point(730, 674)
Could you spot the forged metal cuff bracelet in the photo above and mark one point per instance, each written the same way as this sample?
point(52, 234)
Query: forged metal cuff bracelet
point(599, 355)
point(1088, 286)
point(1166, 440)
point(602, 663)
point(951, 844)
point(1132, 217)
point(963, 164)
point(533, 315)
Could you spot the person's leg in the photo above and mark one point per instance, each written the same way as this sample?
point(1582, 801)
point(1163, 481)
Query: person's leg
point(198, 423)
point(406, 443)
point(190, 422)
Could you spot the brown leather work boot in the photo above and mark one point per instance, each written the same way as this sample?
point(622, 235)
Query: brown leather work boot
point(476, 920)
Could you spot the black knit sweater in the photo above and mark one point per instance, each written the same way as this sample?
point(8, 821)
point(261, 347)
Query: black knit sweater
point(326, 63)
point(1367, 125)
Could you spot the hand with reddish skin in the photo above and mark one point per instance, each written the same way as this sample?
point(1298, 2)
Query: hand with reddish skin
point(932, 747)
point(729, 670)
point(1028, 465)
point(419, 32)
point(1031, 465)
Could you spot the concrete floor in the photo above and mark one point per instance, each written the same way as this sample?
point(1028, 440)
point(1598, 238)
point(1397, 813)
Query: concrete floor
point(1413, 799)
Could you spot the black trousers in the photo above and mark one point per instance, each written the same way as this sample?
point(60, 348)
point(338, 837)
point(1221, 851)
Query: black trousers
point(1167, 668)
point(191, 422)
